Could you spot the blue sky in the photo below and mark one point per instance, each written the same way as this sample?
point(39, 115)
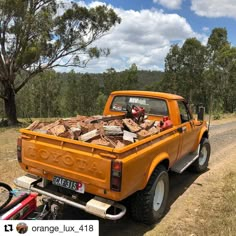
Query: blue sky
point(150, 27)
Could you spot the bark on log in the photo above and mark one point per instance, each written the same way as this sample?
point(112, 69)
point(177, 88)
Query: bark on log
point(90, 135)
point(128, 136)
point(112, 130)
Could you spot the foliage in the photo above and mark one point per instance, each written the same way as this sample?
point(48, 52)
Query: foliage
point(69, 94)
point(203, 74)
point(126, 80)
point(38, 35)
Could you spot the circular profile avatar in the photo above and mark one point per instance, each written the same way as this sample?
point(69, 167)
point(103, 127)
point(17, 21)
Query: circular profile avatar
point(22, 228)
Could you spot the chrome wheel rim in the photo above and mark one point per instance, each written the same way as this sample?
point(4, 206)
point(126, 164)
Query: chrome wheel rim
point(203, 156)
point(159, 195)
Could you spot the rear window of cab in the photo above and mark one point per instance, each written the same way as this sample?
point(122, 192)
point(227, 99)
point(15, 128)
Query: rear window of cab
point(152, 106)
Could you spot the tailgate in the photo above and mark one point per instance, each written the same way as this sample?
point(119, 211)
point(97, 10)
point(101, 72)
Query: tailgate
point(49, 156)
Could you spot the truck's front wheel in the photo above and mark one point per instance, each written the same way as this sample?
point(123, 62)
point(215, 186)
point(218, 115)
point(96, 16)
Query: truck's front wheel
point(200, 165)
point(148, 205)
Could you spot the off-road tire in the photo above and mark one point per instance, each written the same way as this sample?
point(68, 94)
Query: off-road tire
point(142, 202)
point(201, 163)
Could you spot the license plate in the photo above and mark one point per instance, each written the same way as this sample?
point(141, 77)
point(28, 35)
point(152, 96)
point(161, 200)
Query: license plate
point(69, 184)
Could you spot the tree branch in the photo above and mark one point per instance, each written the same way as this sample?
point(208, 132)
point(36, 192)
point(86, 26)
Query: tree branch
point(25, 81)
point(40, 4)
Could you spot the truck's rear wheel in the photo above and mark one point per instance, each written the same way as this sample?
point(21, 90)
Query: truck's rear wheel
point(148, 205)
point(201, 164)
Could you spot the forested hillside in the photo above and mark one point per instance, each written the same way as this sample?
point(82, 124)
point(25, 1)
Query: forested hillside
point(203, 74)
point(54, 94)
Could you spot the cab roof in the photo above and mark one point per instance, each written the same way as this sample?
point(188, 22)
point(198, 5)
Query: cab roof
point(148, 94)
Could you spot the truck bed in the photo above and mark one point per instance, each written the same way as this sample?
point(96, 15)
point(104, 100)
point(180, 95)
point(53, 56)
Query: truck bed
point(48, 156)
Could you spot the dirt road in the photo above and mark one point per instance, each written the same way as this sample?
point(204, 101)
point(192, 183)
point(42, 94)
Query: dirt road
point(189, 193)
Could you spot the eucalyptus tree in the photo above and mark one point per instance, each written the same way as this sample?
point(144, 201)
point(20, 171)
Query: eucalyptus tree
point(215, 79)
point(171, 79)
point(37, 35)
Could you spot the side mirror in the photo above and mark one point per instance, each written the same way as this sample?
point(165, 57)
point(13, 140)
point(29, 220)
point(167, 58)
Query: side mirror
point(201, 113)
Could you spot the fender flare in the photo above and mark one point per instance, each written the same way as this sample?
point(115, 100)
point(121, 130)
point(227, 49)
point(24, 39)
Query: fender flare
point(155, 162)
point(204, 132)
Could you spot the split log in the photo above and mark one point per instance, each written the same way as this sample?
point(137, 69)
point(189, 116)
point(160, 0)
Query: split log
point(146, 133)
point(143, 134)
point(131, 125)
point(147, 124)
point(34, 125)
point(107, 118)
point(90, 135)
point(41, 131)
point(58, 130)
point(112, 130)
point(76, 132)
point(51, 125)
point(119, 144)
point(67, 134)
point(154, 130)
point(110, 141)
point(101, 141)
point(128, 136)
point(116, 122)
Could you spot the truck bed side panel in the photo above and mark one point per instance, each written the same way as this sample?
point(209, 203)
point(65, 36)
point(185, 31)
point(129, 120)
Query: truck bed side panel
point(137, 166)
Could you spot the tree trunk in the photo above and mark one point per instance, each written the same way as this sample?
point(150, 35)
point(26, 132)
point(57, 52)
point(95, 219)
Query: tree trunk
point(10, 106)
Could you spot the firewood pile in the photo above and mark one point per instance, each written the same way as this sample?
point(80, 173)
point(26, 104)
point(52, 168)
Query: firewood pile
point(115, 133)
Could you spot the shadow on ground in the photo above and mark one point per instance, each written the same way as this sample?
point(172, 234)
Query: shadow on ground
point(126, 226)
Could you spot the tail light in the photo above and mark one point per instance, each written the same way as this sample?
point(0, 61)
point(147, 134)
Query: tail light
point(19, 149)
point(116, 174)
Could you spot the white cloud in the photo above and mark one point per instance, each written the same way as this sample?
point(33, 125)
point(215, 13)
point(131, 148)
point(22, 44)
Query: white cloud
point(214, 8)
point(144, 37)
point(205, 29)
point(171, 4)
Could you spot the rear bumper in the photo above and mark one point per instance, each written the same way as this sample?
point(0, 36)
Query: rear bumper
point(97, 206)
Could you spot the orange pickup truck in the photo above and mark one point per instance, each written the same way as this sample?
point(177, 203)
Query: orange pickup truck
point(97, 179)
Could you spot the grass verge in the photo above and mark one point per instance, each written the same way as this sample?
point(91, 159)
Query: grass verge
point(220, 216)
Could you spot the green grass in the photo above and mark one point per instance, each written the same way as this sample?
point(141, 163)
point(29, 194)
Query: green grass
point(220, 214)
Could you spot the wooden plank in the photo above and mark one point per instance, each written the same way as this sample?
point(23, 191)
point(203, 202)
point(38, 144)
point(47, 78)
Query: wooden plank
point(131, 125)
point(90, 135)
